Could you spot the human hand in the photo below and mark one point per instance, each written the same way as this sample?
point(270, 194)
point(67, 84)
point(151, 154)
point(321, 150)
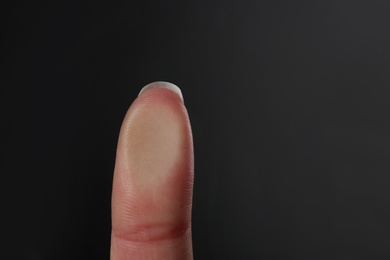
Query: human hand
point(153, 178)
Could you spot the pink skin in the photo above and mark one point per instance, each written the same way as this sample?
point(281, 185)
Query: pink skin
point(153, 179)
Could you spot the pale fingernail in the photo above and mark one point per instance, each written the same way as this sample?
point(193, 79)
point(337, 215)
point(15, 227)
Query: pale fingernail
point(162, 84)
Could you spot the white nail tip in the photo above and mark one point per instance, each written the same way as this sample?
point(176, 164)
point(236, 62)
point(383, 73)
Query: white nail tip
point(162, 84)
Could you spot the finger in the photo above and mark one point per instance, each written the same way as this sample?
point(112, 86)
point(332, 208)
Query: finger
point(153, 178)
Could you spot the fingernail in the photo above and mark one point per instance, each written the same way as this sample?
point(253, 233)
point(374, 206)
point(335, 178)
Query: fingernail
point(162, 84)
point(155, 133)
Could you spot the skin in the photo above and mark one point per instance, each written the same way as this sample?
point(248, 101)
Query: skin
point(153, 180)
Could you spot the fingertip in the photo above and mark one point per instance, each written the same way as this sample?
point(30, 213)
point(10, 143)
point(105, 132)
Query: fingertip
point(152, 188)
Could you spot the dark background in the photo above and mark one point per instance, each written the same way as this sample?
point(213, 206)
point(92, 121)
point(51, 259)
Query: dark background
point(289, 104)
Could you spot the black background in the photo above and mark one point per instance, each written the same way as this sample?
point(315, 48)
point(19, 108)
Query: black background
point(289, 104)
